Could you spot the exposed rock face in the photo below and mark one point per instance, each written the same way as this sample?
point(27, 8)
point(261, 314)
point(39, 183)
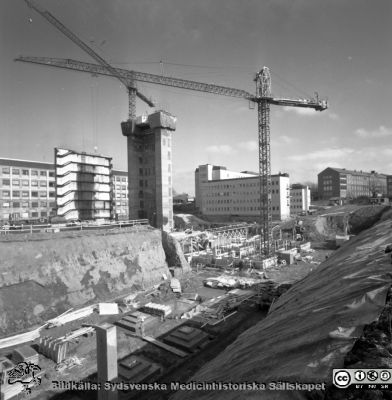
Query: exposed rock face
point(174, 254)
point(45, 274)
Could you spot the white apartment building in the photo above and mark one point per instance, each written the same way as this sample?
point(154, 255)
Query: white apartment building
point(223, 192)
point(300, 199)
point(83, 185)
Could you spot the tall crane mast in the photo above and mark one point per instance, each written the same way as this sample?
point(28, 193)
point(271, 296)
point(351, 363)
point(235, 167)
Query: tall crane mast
point(263, 98)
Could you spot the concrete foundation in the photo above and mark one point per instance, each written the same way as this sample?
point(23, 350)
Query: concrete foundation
point(137, 370)
point(137, 323)
point(186, 338)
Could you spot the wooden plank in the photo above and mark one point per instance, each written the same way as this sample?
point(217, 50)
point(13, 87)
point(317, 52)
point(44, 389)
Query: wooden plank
point(164, 346)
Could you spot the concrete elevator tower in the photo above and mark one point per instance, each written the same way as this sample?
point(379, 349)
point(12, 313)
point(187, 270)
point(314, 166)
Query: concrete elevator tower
point(149, 143)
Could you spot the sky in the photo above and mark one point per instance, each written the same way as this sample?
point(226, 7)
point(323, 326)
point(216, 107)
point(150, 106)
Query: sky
point(341, 49)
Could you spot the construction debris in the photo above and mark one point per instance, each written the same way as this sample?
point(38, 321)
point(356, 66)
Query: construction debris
point(69, 363)
point(229, 281)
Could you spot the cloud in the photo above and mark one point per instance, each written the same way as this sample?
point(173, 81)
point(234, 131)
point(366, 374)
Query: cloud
point(221, 148)
point(286, 139)
point(282, 140)
point(382, 131)
point(333, 116)
point(328, 154)
point(250, 145)
point(302, 111)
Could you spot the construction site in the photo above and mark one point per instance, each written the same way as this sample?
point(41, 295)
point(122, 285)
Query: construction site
point(158, 307)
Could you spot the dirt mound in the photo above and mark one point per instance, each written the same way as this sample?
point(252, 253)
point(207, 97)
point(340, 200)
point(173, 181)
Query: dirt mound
point(50, 273)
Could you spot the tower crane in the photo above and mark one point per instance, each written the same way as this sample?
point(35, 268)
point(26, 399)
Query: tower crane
point(263, 98)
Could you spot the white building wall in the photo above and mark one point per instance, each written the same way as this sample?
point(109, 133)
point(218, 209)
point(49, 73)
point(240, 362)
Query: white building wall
point(300, 200)
point(202, 176)
point(282, 198)
point(239, 196)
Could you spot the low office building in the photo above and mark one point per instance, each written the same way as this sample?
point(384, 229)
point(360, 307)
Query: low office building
point(350, 184)
point(229, 193)
point(27, 191)
point(299, 199)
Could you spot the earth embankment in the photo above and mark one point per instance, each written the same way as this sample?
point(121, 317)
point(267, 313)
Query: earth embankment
point(43, 275)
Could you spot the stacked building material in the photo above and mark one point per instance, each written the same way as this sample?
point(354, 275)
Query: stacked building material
point(160, 310)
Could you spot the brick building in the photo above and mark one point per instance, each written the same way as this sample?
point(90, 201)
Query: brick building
point(350, 184)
